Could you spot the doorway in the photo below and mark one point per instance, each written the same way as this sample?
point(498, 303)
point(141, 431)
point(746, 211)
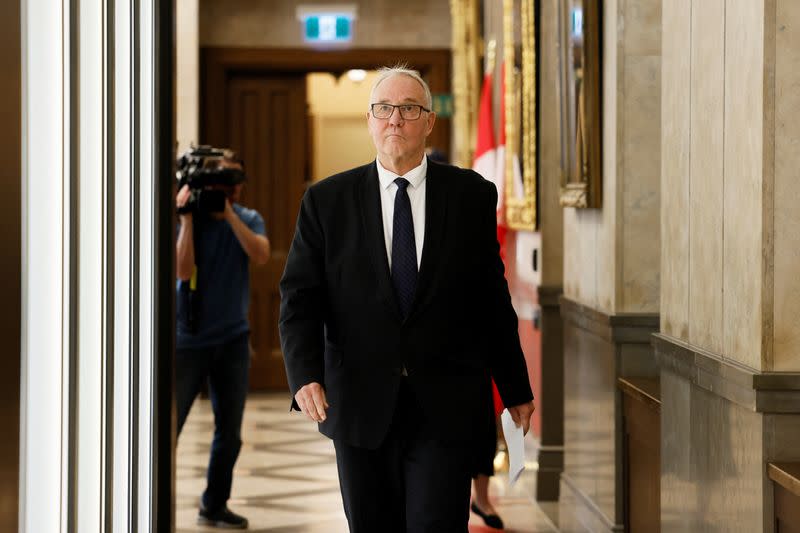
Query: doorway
point(262, 125)
point(255, 102)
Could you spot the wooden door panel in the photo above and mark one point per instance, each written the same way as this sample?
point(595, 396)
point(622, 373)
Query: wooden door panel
point(265, 121)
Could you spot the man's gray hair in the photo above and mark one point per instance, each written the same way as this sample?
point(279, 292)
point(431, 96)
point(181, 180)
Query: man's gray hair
point(401, 70)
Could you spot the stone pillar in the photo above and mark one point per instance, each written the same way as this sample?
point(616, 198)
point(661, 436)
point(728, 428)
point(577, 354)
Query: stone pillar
point(551, 228)
point(729, 347)
point(611, 270)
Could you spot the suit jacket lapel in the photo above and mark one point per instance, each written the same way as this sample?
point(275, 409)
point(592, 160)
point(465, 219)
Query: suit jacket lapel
point(372, 218)
point(436, 200)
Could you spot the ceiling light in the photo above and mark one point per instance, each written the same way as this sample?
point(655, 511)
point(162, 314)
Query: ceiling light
point(357, 75)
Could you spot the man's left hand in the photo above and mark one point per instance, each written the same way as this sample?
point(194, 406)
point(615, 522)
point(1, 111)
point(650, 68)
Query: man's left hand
point(521, 415)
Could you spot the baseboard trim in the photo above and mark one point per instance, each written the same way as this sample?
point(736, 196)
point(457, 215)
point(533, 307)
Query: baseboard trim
point(590, 505)
point(549, 295)
point(627, 328)
point(763, 392)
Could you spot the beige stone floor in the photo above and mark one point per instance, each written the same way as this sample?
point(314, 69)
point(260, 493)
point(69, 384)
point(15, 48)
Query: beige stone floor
point(285, 480)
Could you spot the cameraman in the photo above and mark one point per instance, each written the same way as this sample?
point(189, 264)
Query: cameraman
point(213, 255)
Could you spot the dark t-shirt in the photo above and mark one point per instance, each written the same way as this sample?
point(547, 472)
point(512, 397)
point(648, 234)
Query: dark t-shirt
point(223, 283)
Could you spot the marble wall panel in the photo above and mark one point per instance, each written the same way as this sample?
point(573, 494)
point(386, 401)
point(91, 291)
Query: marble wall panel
point(642, 23)
point(380, 24)
point(641, 167)
point(549, 148)
point(781, 435)
point(732, 467)
point(706, 170)
point(621, 272)
point(767, 278)
point(675, 127)
point(711, 460)
point(678, 493)
point(743, 153)
point(575, 514)
point(571, 261)
point(590, 419)
point(581, 227)
point(608, 246)
point(787, 188)
point(637, 360)
point(591, 226)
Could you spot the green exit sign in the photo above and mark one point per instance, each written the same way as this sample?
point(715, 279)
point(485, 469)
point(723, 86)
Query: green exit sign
point(327, 23)
point(328, 28)
point(443, 105)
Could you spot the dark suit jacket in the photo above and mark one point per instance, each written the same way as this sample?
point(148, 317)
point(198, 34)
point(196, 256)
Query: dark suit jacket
point(341, 326)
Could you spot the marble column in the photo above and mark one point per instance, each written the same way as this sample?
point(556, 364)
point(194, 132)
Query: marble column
point(611, 270)
point(551, 220)
point(551, 396)
point(729, 347)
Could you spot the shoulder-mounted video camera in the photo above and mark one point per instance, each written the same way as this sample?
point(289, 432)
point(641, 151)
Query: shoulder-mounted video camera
point(205, 168)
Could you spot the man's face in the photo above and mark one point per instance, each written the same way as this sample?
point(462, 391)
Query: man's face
point(395, 137)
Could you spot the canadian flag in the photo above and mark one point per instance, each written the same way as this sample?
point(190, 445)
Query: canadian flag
point(485, 162)
point(489, 164)
point(488, 161)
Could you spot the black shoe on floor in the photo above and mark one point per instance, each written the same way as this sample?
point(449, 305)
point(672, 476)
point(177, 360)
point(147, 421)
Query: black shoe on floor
point(223, 519)
point(491, 520)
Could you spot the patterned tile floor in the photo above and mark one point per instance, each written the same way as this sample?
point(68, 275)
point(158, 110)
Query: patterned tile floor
point(285, 480)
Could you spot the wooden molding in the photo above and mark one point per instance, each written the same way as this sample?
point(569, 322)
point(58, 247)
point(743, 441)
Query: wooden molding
point(216, 63)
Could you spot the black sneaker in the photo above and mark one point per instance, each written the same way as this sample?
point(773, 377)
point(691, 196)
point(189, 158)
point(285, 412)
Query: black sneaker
point(223, 519)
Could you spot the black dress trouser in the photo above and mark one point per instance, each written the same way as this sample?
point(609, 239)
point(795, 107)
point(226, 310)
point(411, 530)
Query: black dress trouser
point(411, 483)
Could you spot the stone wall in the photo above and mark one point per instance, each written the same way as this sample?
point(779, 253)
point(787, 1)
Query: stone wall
point(611, 258)
point(786, 204)
point(730, 257)
point(379, 23)
point(729, 348)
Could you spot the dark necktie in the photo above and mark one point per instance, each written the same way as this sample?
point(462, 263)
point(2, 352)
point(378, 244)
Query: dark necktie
point(404, 249)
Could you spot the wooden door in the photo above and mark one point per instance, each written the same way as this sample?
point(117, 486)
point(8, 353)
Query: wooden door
point(265, 122)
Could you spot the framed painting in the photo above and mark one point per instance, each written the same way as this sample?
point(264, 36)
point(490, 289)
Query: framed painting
point(580, 86)
point(521, 124)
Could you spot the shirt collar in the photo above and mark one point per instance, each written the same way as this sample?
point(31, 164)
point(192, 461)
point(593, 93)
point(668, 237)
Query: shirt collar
point(415, 176)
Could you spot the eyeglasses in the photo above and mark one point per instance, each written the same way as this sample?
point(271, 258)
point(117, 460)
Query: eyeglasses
point(407, 111)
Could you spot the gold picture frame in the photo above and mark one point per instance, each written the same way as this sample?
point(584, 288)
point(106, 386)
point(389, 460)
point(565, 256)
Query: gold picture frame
point(580, 94)
point(520, 115)
point(466, 45)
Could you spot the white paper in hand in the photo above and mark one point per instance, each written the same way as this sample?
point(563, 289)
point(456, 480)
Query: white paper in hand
point(516, 447)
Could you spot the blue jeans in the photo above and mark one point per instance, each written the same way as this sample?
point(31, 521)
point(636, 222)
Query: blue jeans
point(226, 369)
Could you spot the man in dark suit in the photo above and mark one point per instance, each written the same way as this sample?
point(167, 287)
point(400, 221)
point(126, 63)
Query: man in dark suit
point(394, 315)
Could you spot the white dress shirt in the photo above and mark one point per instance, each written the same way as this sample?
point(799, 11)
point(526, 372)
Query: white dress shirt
point(416, 194)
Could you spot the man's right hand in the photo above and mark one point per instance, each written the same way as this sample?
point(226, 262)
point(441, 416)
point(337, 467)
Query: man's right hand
point(521, 415)
point(311, 399)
